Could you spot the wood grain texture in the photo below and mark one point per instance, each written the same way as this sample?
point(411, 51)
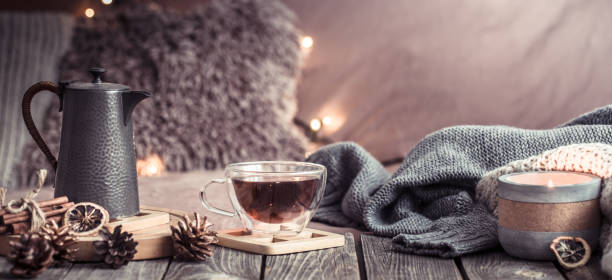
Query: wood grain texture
point(591, 271)
point(382, 262)
point(144, 220)
point(499, 265)
point(149, 269)
point(334, 263)
point(51, 273)
point(226, 263)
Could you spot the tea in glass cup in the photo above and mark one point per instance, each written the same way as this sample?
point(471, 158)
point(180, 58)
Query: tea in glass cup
point(272, 197)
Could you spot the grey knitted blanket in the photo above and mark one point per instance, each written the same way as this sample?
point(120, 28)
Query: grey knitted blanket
point(428, 205)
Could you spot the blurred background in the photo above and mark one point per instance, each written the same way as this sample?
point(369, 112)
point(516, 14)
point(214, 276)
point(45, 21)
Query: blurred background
point(386, 73)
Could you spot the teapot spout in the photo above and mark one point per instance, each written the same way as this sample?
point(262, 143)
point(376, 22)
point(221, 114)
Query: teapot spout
point(130, 100)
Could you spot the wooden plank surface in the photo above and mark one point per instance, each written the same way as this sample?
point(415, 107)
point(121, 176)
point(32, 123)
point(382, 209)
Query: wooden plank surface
point(382, 262)
point(333, 263)
point(149, 269)
point(339, 263)
point(592, 271)
point(51, 273)
point(499, 265)
point(226, 263)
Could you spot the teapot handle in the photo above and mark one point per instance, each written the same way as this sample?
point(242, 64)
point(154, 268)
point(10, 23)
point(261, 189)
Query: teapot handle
point(29, 122)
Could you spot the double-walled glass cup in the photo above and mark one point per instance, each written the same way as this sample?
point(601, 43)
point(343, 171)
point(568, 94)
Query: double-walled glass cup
point(272, 197)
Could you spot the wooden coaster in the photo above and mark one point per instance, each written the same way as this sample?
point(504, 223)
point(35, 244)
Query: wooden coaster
point(308, 240)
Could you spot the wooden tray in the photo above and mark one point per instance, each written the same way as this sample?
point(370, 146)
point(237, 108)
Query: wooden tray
point(151, 229)
point(307, 240)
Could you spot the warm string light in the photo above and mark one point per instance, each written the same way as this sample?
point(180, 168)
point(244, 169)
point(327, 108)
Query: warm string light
point(307, 42)
point(89, 12)
point(317, 124)
point(327, 120)
point(151, 166)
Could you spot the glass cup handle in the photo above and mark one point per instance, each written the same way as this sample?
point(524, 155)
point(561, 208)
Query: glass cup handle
point(207, 205)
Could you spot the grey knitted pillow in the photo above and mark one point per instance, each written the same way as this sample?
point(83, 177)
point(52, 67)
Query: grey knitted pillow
point(223, 80)
point(31, 45)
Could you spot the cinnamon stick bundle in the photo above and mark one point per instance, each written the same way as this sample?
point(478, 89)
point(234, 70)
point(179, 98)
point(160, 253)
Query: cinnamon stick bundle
point(51, 211)
point(17, 223)
point(44, 203)
point(23, 227)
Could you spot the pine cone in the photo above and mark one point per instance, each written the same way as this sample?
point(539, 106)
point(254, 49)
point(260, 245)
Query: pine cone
point(61, 238)
point(117, 248)
point(192, 239)
point(31, 255)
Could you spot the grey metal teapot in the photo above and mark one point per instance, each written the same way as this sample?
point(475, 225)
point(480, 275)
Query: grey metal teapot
point(96, 160)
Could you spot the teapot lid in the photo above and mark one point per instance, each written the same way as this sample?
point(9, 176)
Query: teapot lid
point(96, 84)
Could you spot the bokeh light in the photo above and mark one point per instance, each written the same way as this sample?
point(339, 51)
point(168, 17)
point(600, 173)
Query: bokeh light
point(307, 42)
point(89, 12)
point(315, 124)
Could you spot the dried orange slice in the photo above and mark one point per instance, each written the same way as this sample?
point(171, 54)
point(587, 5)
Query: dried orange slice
point(571, 252)
point(86, 218)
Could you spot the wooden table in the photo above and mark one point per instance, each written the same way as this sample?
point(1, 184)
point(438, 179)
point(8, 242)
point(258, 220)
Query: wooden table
point(373, 258)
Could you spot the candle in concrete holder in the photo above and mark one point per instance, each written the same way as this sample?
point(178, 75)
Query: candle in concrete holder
point(536, 207)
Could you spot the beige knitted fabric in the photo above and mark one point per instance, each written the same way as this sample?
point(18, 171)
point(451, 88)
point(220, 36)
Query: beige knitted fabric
point(593, 158)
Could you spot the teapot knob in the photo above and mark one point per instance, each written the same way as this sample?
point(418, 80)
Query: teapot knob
point(97, 73)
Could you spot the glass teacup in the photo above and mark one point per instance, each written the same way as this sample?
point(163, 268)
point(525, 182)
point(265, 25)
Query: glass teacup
point(272, 197)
